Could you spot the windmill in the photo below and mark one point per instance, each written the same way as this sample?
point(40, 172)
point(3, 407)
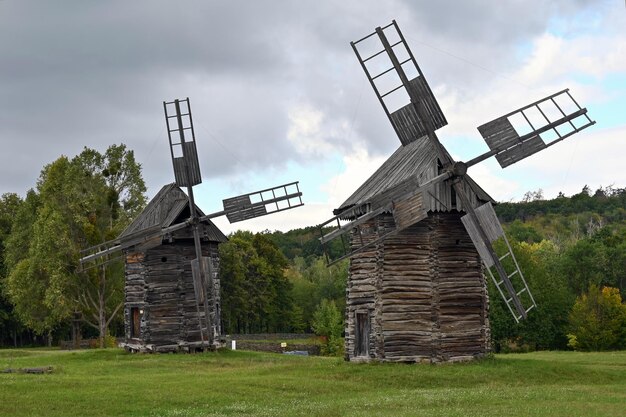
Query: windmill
point(421, 179)
point(163, 218)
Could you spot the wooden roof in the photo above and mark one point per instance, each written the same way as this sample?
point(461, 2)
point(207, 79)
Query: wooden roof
point(417, 159)
point(165, 209)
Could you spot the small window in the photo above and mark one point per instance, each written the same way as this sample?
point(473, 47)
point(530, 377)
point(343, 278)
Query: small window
point(135, 322)
point(453, 198)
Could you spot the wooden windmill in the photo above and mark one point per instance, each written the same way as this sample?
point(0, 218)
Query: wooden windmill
point(171, 297)
point(417, 230)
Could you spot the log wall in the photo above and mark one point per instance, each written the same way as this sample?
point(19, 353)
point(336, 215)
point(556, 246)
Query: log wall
point(424, 292)
point(159, 282)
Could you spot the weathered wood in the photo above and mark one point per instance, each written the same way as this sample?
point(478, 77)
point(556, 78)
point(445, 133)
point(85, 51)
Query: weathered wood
point(37, 370)
point(424, 292)
point(159, 283)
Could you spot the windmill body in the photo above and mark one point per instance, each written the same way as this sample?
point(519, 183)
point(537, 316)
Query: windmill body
point(421, 235)
point(420, 294)
point(160, 305)
point(172, 292)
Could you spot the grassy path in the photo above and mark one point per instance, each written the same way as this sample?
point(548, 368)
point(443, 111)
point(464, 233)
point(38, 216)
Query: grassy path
point(113, 383)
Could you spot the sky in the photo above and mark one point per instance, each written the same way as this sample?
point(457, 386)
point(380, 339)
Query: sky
point(278, 96)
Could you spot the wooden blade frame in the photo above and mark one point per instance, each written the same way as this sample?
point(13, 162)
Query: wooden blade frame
point(187, 173)
point(557, 117)
point(408, 123)
point(135, 239)
point(182, 147)
point(484, 229)
point(263, 202)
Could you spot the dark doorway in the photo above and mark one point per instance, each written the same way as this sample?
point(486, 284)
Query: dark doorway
point(362, 341)
point(135, 322)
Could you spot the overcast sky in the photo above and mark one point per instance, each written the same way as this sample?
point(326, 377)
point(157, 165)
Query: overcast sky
point(278, 95)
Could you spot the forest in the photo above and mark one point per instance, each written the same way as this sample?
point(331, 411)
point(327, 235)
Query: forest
point(572, 250)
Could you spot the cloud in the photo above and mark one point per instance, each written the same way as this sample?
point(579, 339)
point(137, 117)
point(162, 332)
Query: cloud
point(275, 84)
point(359, 166)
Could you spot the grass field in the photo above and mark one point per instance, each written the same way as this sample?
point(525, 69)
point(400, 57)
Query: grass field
point(114, 383)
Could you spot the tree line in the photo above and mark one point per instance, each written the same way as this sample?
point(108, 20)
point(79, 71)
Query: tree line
point(572, 251)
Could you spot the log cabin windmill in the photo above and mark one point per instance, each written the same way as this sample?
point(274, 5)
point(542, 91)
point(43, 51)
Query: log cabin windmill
point(172, 300)
point(417, 229)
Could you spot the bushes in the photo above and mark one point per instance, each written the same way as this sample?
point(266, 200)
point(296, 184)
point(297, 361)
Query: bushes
point(327, 322)
point(598, 320)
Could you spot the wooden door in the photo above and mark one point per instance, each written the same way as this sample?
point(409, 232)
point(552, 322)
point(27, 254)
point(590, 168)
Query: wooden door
point(135, 322)
point(362, 334)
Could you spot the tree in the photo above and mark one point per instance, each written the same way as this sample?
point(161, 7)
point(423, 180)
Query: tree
point(523, 232)
point(544, 327)
point(233, 268)
point(79, 202)
point(584, 263)
point(328, 323)
point(113, 193)
point(598, 320)
point(10, 325)
point(256, 294)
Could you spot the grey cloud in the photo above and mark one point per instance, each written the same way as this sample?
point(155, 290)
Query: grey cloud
point(78, 73)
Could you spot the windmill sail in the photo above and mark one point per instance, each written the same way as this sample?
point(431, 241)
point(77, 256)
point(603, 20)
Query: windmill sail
point(388, 66)
point(182, 142)
point(263, 202)
point(532, 128)
point(485, 229)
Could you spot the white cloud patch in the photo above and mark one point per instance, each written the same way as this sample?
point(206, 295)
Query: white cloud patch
point(355, 169)
point(306, 132)
point(595, 157)
point(359, 166)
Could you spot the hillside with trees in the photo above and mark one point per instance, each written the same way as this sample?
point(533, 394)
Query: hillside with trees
point(569, 248)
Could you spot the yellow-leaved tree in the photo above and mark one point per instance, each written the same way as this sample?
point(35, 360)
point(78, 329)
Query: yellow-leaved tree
point(598, 320)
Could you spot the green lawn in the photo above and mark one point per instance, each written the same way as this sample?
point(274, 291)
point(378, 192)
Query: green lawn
point(112, 382)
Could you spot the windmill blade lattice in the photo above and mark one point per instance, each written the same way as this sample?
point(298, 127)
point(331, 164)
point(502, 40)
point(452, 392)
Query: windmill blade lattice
point(182, 147)
point(388, 66)
point(263, 202)
point(532, 128)
point(485, 229)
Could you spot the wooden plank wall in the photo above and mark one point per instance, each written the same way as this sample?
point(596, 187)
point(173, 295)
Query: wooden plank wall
point(408, 294)
point(425, 292)
point(462, 292)
point(159, 281)
point(134, 289)
point(362, 289)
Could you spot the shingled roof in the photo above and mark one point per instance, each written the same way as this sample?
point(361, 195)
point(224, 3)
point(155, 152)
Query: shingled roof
point(165, 210)
point(416, 159)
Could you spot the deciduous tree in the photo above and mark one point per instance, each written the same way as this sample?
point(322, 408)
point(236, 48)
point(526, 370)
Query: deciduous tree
point(78, 202)
point(598, 320)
